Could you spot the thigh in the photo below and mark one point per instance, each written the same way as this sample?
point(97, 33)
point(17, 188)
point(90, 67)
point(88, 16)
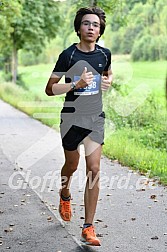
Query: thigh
point(92, 152)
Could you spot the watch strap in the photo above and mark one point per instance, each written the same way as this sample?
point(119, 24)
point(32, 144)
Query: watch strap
point(73, 85)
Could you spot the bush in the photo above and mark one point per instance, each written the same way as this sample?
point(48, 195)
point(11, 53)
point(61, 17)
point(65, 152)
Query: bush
point(7, 76)
point(20, 81)
point(149, 118)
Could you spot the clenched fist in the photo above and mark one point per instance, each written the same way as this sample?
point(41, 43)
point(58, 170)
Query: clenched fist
point(85, 80)
point(105, 83)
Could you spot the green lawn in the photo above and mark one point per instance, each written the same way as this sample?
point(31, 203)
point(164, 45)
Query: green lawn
point(152, 74)
point(142, 148)
point(36, 77)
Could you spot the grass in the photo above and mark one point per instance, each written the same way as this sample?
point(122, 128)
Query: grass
point(32, 98)
point(130, 152)
point(152, 74)
point(31, 103)
point(36, 77)
point(136, 147)
point(140, 139)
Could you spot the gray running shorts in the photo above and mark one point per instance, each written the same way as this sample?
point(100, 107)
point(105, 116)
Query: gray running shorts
point(74, 128)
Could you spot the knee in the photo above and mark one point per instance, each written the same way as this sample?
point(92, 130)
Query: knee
point(71, 165)
point(94, 171)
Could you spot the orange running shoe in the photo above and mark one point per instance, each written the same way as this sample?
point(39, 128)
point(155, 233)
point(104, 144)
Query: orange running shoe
point(65, 209)
point(89, 236)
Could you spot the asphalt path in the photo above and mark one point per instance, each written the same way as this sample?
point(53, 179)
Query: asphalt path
point(131, 212)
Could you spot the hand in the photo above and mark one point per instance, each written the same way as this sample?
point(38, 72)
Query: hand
point(105, 83)
point(85, 80)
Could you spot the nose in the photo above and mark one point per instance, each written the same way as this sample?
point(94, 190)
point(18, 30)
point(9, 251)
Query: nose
point(90, 26)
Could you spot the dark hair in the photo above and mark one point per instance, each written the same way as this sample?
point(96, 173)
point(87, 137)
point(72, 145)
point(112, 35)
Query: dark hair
point(90, 10)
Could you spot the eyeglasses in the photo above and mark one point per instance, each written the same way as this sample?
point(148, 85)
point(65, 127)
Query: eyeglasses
point(88, 23)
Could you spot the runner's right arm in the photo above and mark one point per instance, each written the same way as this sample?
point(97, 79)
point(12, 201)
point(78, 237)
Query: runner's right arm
point(53, 88)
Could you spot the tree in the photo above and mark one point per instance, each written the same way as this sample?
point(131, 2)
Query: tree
point(130, 4)
point(107, 5)
point(30, 28)
point(67, 10)
point(8, 9)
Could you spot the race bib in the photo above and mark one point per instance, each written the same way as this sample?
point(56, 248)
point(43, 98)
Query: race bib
point(91, 89)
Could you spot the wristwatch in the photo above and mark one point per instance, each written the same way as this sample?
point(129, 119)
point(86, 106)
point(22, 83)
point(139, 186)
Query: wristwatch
point(73, 85)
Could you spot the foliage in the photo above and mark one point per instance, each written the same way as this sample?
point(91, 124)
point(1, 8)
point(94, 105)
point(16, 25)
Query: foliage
point(28, 25)
point(8, 10)
point(144, 33)
point(150, 48)
point(149, 119)
point(107, 5)
point(67, 10)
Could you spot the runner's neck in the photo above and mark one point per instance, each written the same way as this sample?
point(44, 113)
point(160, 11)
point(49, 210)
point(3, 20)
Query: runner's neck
point(85, 47)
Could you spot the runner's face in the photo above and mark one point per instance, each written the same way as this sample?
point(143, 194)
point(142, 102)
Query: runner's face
point(90, 28)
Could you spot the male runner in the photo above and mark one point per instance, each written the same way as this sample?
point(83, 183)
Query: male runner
point(86, 66)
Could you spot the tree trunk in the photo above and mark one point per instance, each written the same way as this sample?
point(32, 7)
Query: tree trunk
point(14, 64)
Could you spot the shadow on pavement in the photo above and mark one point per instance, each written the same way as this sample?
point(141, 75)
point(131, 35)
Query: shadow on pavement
point(89, 248)
point(84, 248)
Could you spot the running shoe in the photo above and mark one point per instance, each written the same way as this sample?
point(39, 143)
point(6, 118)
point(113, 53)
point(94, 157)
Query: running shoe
point(89, 237)
point(65, 209)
